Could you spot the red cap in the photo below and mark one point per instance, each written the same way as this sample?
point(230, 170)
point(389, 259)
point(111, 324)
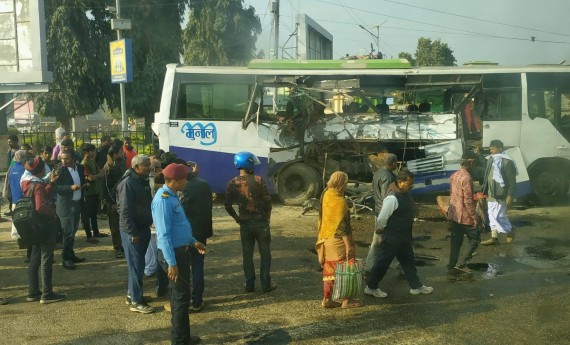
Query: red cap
point(176, 171)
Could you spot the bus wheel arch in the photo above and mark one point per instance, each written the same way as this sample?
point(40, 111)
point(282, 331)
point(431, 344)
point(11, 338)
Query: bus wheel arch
point(549, 178)
point(297, 183)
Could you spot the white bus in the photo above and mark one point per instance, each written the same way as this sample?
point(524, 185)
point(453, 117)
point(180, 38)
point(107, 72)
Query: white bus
point(307, 119)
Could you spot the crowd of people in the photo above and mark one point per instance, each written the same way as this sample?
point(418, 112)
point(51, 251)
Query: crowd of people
point(160, 218)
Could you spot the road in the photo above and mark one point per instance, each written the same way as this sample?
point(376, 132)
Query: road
point(525, 299)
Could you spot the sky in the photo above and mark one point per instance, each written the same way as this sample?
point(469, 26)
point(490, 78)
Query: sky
point(491, 30)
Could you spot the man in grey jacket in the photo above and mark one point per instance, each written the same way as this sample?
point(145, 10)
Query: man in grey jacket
point(383, 178)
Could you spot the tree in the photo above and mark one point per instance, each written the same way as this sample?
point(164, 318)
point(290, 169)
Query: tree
point(77, 33)
point(220, 32)
point(157, 41)
point(434, 53)
point(407, 56)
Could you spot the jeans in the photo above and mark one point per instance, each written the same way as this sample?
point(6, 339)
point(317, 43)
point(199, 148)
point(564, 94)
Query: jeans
point(457, 233)
point(197, 262)
point(388, 249)
point(113, 216)
point(89, 214)
point(250, 232)
point(179, 296)
point(373, 252)
point(134, 253)
point(41, 257)
point(69, 224)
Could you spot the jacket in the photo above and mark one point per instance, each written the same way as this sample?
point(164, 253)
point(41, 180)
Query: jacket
point(64, 194)
point(134, 204)
point(509, 174)
point(196, 199)
point(42, 196)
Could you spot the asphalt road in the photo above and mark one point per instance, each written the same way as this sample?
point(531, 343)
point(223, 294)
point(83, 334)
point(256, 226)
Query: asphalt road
point(523, 299)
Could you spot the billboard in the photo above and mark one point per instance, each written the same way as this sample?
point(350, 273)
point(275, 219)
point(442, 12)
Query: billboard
point(121, 61)
point(313, 41)
point(23, 55)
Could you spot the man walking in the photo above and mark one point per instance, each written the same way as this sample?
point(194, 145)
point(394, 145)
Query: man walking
point(70, 178)
point(461, 213)
point(252, 196)
point(196, 198)
point(133, 204)
point(499, 185)
point(381, 181)
point(395, 224)
point(174, 241)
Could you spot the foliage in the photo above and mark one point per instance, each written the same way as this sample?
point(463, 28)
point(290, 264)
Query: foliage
point(407, 56)
point(220, 32)
point(430, 53)
point(434, 53)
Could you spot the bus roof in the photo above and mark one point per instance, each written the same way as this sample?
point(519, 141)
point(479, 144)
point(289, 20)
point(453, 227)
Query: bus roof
point(329, 64)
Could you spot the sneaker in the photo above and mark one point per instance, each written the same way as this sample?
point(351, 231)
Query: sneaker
point(375, 292)
point(424, 290)
point(145, 300)
point(34, 297)
point(198, 308)
point(272, 286)
point(491, 241)
point(142, 308)
point(100, 235)
point(52, 298)
point(119, 254)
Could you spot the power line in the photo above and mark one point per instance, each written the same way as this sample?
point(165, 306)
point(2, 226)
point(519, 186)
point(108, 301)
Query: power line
point(533, 39)
point(475, 19)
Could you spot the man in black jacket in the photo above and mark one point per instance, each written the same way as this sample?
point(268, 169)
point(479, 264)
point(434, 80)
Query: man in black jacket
point(70, 178)
point(196, 199)
point(133, 204)
point(114, 170)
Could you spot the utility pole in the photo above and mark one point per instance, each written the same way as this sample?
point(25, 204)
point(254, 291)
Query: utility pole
point(124, 119)
point(275, 11)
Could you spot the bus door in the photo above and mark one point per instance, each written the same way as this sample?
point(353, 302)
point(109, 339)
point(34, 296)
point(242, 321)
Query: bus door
point(500, 108)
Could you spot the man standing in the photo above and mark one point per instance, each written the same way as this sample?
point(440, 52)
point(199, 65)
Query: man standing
point(499, 185)
point(395, 223)
point(133, 204)
point(113, 172)
point(461, 213)
point(252, 196)
point(174, 240)
point(383, 178)
point(129, 151)
point(196, 198)
point(91, 193)
point(70, 178)
point(102, 150)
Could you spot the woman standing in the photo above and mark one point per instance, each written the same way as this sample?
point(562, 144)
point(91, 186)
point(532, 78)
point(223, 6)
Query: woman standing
point(334, 242)
point(42, 253)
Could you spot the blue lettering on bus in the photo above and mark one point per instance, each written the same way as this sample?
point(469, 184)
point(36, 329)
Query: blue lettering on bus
point(207, 134)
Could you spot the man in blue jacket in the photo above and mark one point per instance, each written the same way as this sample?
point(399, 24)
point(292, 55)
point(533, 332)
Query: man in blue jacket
point(133, 205)
point(174, 241)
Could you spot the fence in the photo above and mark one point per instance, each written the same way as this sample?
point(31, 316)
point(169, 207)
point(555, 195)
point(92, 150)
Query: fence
point(144, 141)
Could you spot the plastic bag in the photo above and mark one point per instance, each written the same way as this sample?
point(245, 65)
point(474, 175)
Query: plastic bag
point(348, 282)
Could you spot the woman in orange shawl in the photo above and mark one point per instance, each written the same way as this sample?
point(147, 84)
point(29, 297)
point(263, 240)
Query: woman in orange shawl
point(334, 242)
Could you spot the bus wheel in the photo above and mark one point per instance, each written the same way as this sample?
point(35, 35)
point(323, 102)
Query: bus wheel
point(297, 183)
point(549, 186)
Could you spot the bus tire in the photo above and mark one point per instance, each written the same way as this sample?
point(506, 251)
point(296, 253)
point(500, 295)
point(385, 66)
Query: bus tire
point(549, 186)
point(297, 183)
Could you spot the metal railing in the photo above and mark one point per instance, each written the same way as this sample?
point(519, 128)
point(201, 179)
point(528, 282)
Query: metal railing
point(144, 141)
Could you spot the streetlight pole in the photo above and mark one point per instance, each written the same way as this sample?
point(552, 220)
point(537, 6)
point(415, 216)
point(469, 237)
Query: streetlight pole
point(124, 120)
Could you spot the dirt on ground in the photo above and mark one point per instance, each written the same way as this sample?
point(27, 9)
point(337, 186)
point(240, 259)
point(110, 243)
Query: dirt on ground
point(518, 294)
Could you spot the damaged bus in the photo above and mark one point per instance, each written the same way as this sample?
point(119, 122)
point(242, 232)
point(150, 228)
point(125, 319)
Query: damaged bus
point(307, 119)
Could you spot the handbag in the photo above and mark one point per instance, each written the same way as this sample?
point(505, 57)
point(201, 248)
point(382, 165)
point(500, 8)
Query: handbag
point(348, 282)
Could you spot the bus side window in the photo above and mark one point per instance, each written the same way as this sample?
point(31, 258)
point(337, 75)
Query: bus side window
point(502, 106)
point(542, 104)
point(192, 101)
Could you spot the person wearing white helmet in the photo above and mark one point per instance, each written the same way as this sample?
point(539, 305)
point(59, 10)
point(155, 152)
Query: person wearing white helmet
point(250, 193)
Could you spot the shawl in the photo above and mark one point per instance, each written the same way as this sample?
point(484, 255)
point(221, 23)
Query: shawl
point(333, 213)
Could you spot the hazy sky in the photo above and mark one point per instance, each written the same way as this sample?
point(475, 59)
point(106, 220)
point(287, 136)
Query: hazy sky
point(493, 30)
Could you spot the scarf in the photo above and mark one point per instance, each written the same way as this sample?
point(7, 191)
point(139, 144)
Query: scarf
point(497, 165)
point(333, 210)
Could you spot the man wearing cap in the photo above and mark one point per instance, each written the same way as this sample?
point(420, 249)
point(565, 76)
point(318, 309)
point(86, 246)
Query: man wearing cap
point(174, 241)
point(499, 185)
point(135, 218)
point(461, 213)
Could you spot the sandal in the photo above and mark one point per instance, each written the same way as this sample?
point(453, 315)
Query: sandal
point(346, 304)
point(330, 304)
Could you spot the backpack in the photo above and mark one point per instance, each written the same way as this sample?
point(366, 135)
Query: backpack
point(27, 221)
